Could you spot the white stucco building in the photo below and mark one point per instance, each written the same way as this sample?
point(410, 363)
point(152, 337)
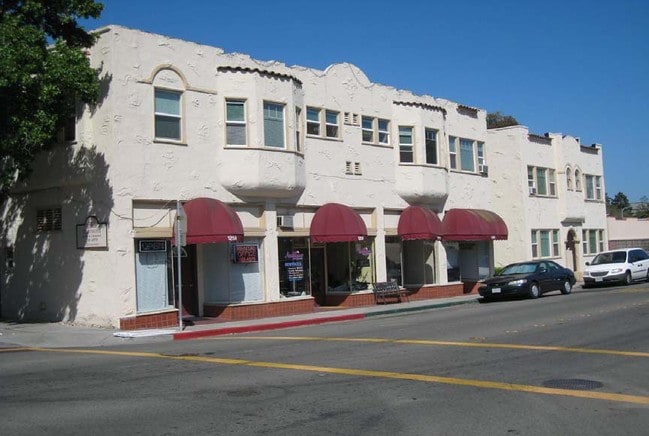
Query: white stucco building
point(301, 188)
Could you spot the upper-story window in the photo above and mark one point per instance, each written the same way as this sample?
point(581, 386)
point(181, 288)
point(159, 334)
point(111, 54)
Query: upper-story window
point(541, 181)
point(452, 154)
point(298, 129)
point(569, 179)
point(367, 127)
point(406, 151)
point(577, 180)
point(312, 121)
point(168, 114)
point(332, 120)
point(375, 130)
point(430, 136)
point(481, 157)
point(274, 125)
point(465, 154)
point(321, 122)
point(235, 121)
point(593, 187)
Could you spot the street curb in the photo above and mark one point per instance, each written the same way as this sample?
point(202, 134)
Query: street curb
point(313, 321)
point(260, 327)
point(419, 308)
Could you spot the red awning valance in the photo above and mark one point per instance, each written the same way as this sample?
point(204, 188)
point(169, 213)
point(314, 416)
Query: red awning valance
point(335, 222)
point(209, 221)
point(473, 225)
point(418, 222)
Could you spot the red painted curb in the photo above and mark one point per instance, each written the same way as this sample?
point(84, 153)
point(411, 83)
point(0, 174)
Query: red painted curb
point(259, 327)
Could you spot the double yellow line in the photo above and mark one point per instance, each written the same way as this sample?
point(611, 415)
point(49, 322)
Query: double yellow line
point(635, 399)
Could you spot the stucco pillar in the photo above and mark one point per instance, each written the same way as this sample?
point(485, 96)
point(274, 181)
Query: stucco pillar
point(270, 247)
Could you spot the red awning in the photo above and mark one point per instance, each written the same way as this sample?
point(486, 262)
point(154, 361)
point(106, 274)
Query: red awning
point(335, 222)
point(473, 225)
point(418, 222)
point(209, 221)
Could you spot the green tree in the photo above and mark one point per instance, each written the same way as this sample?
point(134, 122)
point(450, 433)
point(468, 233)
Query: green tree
point(44, 72)
point(496, 119)
point(615, 205)
point(642, 211)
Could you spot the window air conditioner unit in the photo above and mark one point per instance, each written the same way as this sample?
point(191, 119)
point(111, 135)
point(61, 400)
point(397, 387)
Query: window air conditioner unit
point(483, 169)
point(532, 191)
point(285, 221)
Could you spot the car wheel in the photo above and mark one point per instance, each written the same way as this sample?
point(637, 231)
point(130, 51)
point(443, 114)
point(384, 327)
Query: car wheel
point(567, 287)
point(586, 285)
point(534, 290)
point(627, 278)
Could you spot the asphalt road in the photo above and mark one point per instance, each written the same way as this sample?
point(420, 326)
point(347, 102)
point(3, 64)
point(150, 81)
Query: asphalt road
point(575, 364)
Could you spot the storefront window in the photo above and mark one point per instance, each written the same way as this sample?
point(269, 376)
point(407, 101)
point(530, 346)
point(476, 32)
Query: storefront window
point(393, 259)
point(419, 262)
point(350, 266)
point(293, 267)
point(452, 261)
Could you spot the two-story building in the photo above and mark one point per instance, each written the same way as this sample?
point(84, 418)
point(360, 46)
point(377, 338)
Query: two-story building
point(297, 188)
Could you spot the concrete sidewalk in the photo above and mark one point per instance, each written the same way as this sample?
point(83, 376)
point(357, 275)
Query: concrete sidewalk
point(60, 335)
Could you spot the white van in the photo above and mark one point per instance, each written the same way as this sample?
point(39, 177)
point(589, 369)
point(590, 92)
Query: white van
point(624, 265)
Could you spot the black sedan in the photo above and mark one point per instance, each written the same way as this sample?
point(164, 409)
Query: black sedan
point(529, 279)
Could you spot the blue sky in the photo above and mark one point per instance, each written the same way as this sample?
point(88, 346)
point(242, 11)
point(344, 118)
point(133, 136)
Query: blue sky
point(577, 67)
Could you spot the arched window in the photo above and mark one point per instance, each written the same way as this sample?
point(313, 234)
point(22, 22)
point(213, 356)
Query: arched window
point(569, 179)
point(169, 85)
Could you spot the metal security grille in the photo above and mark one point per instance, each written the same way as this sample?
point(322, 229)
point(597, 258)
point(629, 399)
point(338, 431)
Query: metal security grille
point(48, 220)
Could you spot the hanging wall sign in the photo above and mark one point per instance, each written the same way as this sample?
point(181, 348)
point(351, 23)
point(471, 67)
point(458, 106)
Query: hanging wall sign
point(92, 234)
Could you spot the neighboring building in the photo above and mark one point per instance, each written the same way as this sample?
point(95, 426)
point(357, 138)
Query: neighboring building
point(552, 191)
point(301, 187)
point(628, 233)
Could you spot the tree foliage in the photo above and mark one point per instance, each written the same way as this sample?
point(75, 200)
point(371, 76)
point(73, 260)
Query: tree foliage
point(642, 210)
point(496, 119)
point(44, 72)
point(615, 206)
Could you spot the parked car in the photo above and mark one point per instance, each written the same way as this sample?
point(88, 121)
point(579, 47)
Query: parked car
point(624, 266)
point(529, 279)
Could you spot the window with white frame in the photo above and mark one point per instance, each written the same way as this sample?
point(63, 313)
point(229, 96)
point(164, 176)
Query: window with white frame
point(274, 125)
point(312, 121)
point(298, 129)
point(569, 179)
point(481, 157)
point(430, 136)
point(452, 153)
point(466, 155)
point(322, 122)
point(406, 152)
point(600, 237)
point(592, 240)
point(332, 120)
point(168, 115)
point(367, 127)
point(384, 131)
point(375, 130)
point(545, 243)
point(541, 181)
point(235, 122)
point(593, 187)
point(463, 153)
point(552, 183)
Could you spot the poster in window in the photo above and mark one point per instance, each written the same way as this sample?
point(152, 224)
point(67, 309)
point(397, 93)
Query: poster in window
point(245, 253)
